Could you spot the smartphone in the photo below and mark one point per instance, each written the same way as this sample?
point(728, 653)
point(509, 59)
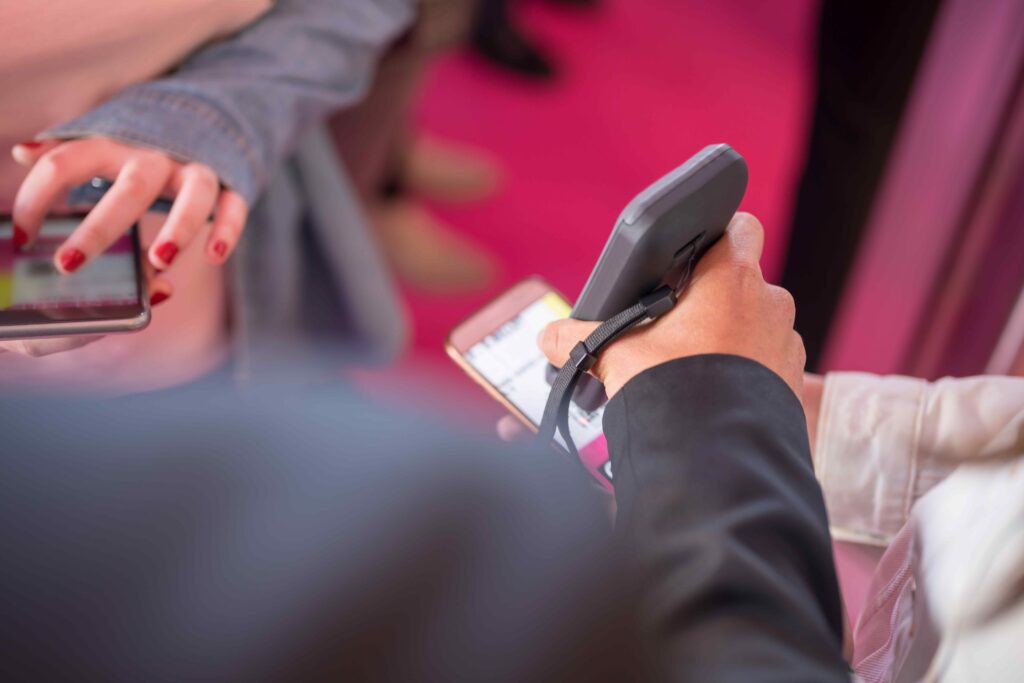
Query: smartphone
point(497, 347)
point(106, 295)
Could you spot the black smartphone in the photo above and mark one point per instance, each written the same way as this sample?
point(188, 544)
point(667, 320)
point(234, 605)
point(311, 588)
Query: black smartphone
point(105, 296)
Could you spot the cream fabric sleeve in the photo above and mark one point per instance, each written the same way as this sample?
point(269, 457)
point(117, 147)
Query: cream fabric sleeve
point(883, 442)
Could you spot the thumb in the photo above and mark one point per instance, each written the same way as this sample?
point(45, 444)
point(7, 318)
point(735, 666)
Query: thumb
point(558, 338)
point(28, 153)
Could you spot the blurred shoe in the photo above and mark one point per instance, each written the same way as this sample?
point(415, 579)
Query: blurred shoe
point(447, 172)
point(428, 254)
point(510, 49)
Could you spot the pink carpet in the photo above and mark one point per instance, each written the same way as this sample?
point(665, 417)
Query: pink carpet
point(643, 85)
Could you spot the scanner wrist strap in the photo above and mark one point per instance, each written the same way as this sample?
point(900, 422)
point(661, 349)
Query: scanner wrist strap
point(583, 357)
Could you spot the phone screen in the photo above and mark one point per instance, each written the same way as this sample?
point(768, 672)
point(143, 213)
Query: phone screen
point(510, 361)
point(33, 291)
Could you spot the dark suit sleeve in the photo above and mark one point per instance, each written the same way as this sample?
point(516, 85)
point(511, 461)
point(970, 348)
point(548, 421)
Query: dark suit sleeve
point(725, 523)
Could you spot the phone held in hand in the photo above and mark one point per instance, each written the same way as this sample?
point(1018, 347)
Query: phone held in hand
point(497, 347)
point(656, 241)
point(107, 295)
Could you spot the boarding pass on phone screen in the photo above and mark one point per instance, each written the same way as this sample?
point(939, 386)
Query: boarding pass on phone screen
point(509, 360)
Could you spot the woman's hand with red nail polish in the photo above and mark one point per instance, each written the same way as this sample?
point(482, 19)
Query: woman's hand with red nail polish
point(141, 175)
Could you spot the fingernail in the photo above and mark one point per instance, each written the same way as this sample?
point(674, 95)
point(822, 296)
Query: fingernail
point(158, 297)
point(220, 248)
point(30, 144)
point(71, 260)
point(166, 252)
point(20, 237)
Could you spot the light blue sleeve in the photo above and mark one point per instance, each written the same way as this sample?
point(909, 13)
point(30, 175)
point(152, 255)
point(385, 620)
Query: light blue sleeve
point(241, 104)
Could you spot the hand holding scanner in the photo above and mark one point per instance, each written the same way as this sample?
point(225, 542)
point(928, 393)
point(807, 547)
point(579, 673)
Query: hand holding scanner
point(658, 237)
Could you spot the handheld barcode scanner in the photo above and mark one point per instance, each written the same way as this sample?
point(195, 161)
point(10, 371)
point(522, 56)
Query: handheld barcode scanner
point(657, 239)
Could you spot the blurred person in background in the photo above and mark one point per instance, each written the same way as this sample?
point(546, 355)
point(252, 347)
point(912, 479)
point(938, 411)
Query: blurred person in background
point(394, 168)
point(199, 100)
point(867, 56)
point(497, 38)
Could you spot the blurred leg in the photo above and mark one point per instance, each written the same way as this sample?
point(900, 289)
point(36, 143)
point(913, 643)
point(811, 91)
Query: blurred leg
point(868, 54)
point(374, 141)
point(497, 39)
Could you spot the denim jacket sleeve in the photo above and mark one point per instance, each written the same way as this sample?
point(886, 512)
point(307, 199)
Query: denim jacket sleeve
point(241, 104)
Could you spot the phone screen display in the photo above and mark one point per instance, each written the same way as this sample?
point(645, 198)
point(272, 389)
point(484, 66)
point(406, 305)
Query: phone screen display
point(32, 290)
point(510, 361)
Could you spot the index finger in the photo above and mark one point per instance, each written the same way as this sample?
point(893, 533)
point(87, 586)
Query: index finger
point(67, 165)
point(741, 244)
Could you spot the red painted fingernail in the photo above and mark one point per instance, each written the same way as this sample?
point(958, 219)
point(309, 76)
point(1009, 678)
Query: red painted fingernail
point(220, 248)
point(158, 297)
point(71, 260)
point(166, 252)
point(31, 144)
point(20, 237)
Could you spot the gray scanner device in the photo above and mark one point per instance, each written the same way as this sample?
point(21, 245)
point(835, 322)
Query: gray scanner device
point(657, 239)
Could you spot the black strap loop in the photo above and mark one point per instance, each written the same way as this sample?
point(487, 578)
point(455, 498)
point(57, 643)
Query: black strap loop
point(583, 357)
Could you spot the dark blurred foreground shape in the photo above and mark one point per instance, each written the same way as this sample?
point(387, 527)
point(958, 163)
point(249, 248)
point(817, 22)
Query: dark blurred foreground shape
point(287, 536)
point(304, 535)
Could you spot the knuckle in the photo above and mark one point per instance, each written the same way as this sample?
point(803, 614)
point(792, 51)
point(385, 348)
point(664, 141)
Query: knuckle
point(747, 273)
point(801, 351)
point(135, 180)
point(53, 165)
point(785, 300)
point(552, 339)
point(154, 159)
point(205, 178)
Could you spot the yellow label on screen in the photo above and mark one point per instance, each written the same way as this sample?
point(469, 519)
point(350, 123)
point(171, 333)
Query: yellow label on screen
point(557, 304)
point(6, 290)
